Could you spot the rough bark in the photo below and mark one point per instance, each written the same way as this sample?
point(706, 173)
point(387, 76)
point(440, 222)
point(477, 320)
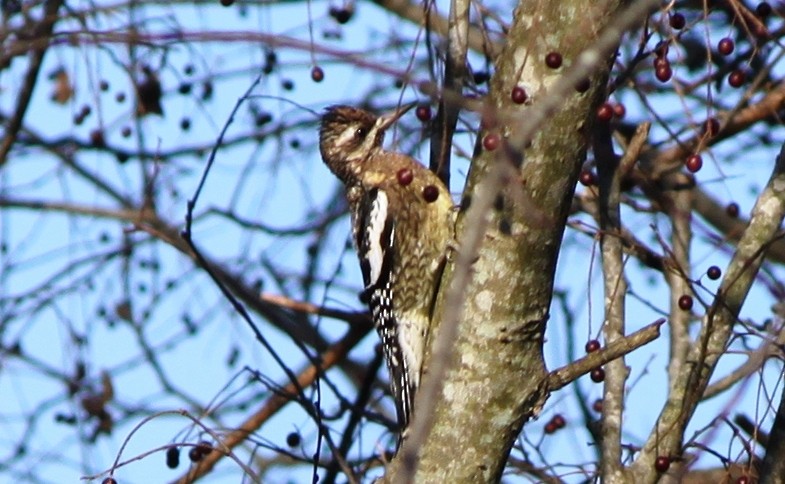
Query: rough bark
point(496, 379)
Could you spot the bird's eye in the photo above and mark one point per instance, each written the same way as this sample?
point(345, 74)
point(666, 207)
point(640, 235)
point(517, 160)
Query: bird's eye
point(360, 133)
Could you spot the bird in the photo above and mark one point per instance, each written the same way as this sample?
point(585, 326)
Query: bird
point(402, 225)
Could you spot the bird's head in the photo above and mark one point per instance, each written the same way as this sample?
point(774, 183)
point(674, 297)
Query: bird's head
point(349, 135)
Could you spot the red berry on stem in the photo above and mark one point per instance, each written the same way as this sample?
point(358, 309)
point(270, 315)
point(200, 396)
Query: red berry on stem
point(605, 112)
point(736, 78)
point(317, 74)
point(405, 176)
point(619, 110)
point(711, 127)
point(662, 463)
point(694, 163)
point(713, 273)
point(194, 454)
point(559, 421)
point(423, 112)
point(664, 73)
point(732, 209)
point(491, 141)
point(726, 46)
point(597, 375)
point(592, 345)
point(519, 95)
point(587, 178)
point(553, 60)
point(430, 193)
point(550, 428)
point(685, 302)
point(597, 405)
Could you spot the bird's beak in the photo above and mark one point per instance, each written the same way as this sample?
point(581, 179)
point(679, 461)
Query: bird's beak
point(386, 120)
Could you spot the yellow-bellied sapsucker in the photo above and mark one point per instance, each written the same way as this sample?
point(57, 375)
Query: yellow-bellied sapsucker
point(402, 225)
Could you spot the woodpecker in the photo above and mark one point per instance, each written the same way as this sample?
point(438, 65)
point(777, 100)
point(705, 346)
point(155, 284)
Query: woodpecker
point(402, 225)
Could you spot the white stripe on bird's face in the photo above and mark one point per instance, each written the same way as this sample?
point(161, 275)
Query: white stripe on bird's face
point(358, 140)
point(374, 233)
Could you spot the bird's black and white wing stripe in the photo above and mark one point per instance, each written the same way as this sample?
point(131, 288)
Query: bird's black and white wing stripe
point(375, 239)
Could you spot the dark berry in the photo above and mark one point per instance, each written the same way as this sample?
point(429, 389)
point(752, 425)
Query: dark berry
point(550, 428)
point(685, 302)
point(736, 78)
point(287, 84)
point(664, 73)
point(341, 14)
point(662, 463)
point(583, 86)
point(405, 176)
point(519, 95)
point(605, 112)
point(172, 457)
point(597, 405)
point(207, 90)
point(97, 138)
point(430, 193)
point(597, 375)
point(732, 209)
point(119, 97)
point(204, 447)
point(553, 60)
point(678, 21)
point(559, 421)
point(188, 69)
point(103, 85)
point(185, 124)
point(125, 132)
point(592, 345)
point(619, 110)
point(763, 10)
point(587, 178)
point(317, 74)
point(262, 118)
point(227, 3)
point(194, 454)
point(661, 62)
point(694, 163)
point(491, 141)
point(423, 113)
point(711, 127)
point(109, 480)
point(726, 46)
point(293, 439)
point(713, 273)
point(184, 88)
